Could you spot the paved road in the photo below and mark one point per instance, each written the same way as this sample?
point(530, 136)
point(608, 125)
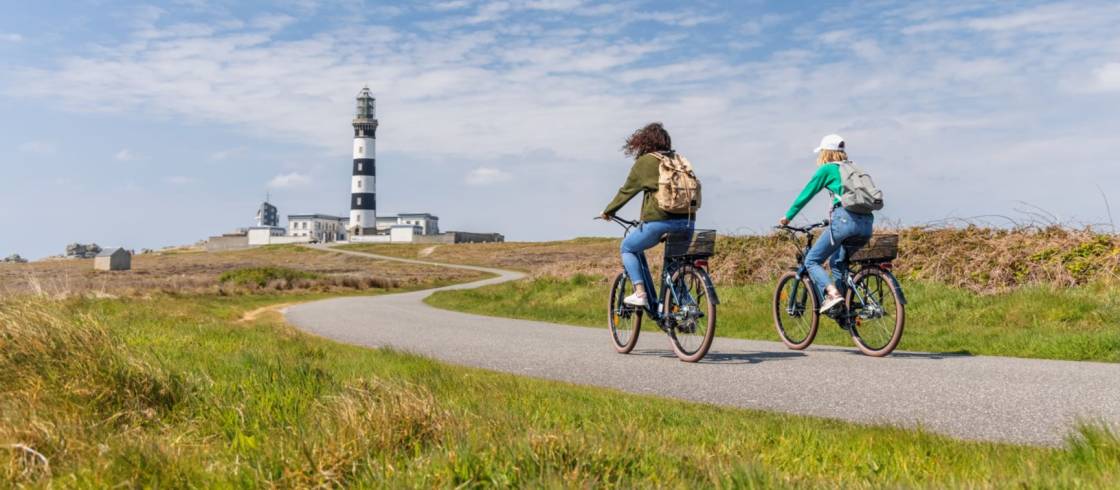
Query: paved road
point(969, 397)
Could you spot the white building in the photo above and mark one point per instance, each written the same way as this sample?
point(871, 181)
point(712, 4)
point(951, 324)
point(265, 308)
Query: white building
point(320, 228)
point(428, 223)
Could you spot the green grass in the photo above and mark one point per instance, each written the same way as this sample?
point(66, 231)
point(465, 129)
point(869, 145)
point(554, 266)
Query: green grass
point(1037, 321)
point(261, 276)
point(175, 392)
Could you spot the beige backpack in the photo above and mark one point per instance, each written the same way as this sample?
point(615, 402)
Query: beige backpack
point(678, 189)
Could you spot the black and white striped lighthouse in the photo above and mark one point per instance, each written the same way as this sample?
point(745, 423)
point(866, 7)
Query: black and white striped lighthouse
point(363, 192)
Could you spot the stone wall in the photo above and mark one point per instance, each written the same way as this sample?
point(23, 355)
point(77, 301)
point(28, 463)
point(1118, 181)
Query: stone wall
point(227, 242)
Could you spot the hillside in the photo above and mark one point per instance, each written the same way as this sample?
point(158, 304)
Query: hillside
point(976, 259)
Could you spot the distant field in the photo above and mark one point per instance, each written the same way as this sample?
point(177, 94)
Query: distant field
point(980, 260)
point(1038, 314)
point(1039, 322)
point(201, 272)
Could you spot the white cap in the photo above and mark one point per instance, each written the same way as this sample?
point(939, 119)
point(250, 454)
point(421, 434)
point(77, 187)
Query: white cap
point(831, 142)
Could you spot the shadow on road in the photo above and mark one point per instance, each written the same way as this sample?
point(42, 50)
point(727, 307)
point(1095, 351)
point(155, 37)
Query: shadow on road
point(905, 355)
point(727, 357)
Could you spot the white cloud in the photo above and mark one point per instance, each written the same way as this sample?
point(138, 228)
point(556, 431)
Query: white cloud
point(179, 180)
point(124, 155)
point(38, 148)
point(227, 153)
point(1106, 78)
point(293, 179)
point(10, 37)
point(963, 87)
point(487, 176)
point(450, 5)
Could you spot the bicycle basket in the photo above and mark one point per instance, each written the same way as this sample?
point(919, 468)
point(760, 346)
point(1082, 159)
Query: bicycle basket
point(881, 248)
point(702, 243)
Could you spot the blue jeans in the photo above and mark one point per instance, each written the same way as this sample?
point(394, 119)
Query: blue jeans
point(846, 226)
point(644, 237)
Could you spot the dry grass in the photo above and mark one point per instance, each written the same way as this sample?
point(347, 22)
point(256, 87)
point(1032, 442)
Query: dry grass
point(87, 378)
point(358, 427)
point(199, 273)
point(974, 258)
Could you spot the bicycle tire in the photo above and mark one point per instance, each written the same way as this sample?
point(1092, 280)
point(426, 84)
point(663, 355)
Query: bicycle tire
point(622, 338)
point(697, 345)
point(866, 338)
point(801, 332)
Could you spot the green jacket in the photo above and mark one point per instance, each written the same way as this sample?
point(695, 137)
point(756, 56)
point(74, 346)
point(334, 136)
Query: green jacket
point(827, 176)
point(643, 177)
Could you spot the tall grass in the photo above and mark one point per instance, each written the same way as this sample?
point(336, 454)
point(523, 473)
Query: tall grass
point(206, 401)
point(63, 377)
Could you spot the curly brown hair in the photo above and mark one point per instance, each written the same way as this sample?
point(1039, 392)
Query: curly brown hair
point(649, 139)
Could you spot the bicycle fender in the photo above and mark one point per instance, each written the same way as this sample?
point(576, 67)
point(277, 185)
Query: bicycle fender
point(894, 282)
point(711, 287)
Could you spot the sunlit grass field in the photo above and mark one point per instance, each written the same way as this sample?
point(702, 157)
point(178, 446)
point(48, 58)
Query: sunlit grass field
point(181, 392)
point(1077, 323)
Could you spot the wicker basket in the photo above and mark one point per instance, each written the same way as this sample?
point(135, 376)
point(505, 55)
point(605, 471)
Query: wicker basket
point(702, 243)
point(881, 248)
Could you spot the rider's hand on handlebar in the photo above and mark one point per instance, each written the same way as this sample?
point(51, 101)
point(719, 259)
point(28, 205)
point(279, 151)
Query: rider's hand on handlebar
point(605, 217)
point(783, 221)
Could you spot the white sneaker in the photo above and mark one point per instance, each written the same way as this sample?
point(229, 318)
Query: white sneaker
point(635, 300)
point(830, 302)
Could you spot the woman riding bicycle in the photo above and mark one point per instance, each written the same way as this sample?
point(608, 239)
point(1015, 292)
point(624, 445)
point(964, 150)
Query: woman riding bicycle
point(655, 222)
point(847, 232)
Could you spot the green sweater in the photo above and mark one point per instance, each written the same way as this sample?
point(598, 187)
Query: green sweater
point(643, 177)
point(827, 176)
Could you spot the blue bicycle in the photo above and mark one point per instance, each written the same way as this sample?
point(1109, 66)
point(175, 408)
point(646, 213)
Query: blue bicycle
point(686, 310)
point(874, 310)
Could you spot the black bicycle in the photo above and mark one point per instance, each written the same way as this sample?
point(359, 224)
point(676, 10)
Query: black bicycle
point(687, 309)
point(874, 310)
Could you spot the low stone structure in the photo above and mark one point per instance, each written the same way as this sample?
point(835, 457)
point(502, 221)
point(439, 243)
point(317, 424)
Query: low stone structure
point(14, 258)
point(460, 237)
point(113, 259)
point(82, 251)
point(229, 241)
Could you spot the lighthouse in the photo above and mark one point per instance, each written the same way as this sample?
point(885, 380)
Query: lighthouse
point(363, 191)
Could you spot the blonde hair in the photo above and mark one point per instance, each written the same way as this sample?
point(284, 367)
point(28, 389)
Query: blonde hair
point(827, 156)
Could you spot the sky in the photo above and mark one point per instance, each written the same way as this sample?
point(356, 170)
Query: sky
point(152, 124)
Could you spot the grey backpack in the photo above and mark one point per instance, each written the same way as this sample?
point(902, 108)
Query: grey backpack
point(860, 194)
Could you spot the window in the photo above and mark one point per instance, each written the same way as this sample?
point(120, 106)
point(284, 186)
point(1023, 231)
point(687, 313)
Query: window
point(358, 219)
point(361, 150)
point(359, 166)
point(359, 200)
point(359, 184)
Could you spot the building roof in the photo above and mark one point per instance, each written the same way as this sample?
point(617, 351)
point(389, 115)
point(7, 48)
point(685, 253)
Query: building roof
point(422, 215)
point(108, 252)
point(315, 216)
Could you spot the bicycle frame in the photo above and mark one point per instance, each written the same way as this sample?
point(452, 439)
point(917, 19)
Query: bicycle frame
point(669, 265)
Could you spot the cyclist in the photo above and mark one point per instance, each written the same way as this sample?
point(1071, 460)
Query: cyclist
point(845, 234)
point(655, 222)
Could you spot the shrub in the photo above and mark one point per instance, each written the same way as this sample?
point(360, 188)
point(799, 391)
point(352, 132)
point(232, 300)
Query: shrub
point(262, 276)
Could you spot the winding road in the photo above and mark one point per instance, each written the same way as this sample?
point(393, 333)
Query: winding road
point(1003, 399)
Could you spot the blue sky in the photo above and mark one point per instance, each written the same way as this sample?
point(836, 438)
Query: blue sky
point(146, 125)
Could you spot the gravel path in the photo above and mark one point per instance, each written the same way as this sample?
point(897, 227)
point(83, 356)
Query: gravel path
point(970, 397)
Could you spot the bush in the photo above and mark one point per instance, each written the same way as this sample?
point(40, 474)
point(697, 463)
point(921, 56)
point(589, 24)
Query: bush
point(263, 276)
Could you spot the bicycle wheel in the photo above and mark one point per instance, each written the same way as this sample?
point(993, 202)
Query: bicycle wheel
point(879, 312)
point(691, 312)
point(796, 311)
point(624, 321)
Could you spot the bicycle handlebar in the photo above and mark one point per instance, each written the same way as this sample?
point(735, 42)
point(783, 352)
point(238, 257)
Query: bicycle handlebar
point(622, 221)
point(805, 229)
